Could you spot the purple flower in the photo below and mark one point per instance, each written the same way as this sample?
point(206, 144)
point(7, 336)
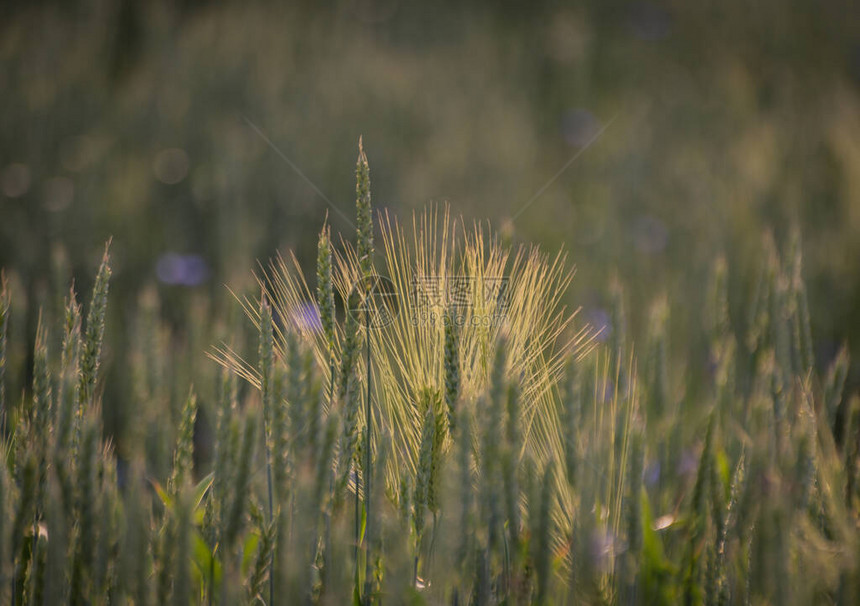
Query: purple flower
point(183, 270)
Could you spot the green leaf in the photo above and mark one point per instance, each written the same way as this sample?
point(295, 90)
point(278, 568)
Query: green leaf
point(657, 573)
point(249, 550)
point(363, 525)
point(165, 498)
point(201, 488)
point(724, 473)
point(205, 561)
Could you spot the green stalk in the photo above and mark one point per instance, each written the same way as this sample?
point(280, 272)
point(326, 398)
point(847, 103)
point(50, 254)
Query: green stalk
point(367, 462)
point(266, 352)
point(4, 330)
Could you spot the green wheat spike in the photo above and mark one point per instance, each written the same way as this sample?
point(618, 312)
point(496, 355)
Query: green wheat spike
point(452, 367)
point(263, 559)
point(374, 563)
point(834, 385)
point(106, 573)
point(298, 418)
point(544, 533)
point(280, 439)
point(425, 461)
point(323, 458)
point(364, 214)
point(510, 467)
point(266, 366)
point(184, 453)
point(314, 401)
point(349, 439)
point(242, 480)
point(67, 395)
point(42, 400)
point(422, 480)
point(86, 515)
point(325, 291)
point(94, 334)
point(349, 351)
point(572, 420)
point(434, 486)
point(182, 582)
point(405, 501)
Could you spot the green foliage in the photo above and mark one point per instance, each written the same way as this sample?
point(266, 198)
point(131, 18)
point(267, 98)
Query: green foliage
point(590, 484)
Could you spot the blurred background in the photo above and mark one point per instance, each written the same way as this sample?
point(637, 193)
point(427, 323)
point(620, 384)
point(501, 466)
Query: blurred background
point(689, 131)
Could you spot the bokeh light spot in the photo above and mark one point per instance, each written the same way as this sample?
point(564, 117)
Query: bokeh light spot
point(171, 166)
point(15, 180)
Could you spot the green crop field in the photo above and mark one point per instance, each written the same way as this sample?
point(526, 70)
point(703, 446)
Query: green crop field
point(587, 338)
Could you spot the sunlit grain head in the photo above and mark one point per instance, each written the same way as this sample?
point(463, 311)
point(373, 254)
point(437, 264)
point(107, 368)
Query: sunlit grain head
point(436, 265)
